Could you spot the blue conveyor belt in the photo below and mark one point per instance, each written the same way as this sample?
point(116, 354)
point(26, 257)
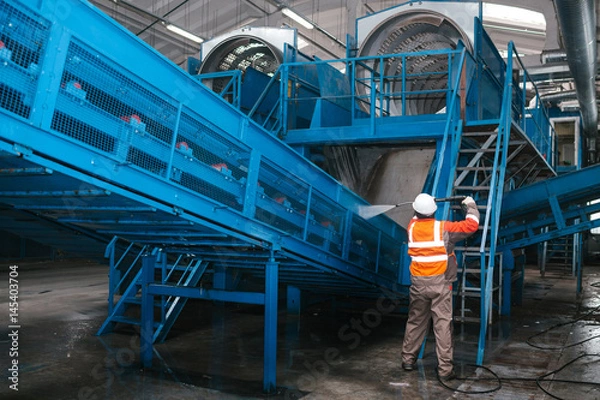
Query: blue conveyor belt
point(552, 208)
point(137, 148)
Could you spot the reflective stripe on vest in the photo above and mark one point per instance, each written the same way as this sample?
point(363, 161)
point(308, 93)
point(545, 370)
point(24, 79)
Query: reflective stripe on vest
point(430, 258)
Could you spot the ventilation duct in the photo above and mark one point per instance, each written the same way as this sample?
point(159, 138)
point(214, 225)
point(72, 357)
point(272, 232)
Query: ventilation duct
point(258, 48)
point(558, 96)
point(577, 20)
point(555, 56)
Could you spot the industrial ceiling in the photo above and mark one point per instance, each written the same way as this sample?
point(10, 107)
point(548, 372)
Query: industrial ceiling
point(537, 38)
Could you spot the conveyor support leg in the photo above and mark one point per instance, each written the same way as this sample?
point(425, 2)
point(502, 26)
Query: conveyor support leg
point(270, 343)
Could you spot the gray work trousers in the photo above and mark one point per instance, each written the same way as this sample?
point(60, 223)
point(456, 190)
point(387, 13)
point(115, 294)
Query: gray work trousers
point(430, 302)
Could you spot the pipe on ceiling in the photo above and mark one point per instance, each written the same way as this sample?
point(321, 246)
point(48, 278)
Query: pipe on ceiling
point(557, 96)
point(553, 56)
point(577, 20)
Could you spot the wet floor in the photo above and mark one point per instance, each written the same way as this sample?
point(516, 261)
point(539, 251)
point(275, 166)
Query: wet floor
point(334, 350)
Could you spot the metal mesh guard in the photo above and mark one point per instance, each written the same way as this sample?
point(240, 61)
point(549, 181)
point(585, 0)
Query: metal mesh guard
point(23, 40)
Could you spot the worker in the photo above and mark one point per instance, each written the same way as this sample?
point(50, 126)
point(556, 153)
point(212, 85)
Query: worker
point(433, 268)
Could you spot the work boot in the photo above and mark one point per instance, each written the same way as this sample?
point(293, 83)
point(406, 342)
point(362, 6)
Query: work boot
point(449, 377)
point(408, 366)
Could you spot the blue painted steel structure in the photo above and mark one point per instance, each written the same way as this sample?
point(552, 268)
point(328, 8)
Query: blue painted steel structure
point(488, 139)
point(108, 139)
point(141, 151)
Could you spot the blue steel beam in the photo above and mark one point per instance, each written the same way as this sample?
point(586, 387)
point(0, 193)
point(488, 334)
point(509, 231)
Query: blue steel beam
point(156, 289)
point(574, 187)
point(24, 171)
point(269, 299)
point(163, 233)
point(385, 130)
point(55, 193)
point(530, 231)
point(147, 313)
point(270, 328)
point(116, 221)
point(534, 238)
point(194, 244)
point(85, 208)
point(560, 204)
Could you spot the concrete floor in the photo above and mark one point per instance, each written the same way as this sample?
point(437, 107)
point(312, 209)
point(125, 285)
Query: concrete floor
point(215, 352)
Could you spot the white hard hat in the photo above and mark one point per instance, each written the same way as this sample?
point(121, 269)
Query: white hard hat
point(424, 204)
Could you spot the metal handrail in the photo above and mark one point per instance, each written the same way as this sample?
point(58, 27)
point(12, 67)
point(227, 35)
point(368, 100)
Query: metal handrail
point(492, 217)
point(263, 95)
point(375, 76)
point(234, 84)
point(527, 78)
point(449, 113)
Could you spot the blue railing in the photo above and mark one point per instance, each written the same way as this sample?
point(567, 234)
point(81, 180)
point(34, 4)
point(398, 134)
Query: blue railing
point(229, 84)
point(532, 117)
point(302, 85)
point(305, 86)
point(462, 75)
point(527, 111)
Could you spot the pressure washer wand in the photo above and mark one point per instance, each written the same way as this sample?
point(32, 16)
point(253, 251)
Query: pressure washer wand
point(451, 198)
point(368, 212)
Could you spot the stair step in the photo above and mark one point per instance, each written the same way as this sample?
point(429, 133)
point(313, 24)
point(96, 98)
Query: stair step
point(469, 256)
point(130, 321)
point(478, 134)
point(466, 319)
point(472, 254)
point(470, 270)
point(472, 188)
point(138, 301)
point(126, 320)
point(472, 249)
point(474, 168)
point(170, 268)
point(476, 151)
point(474, 292)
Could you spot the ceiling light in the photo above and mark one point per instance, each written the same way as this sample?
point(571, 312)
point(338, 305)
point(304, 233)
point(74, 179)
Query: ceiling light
point(514, 16)
point(296, 17)
point(184, 33)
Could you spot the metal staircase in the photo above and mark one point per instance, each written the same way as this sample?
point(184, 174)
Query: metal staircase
point(485, 153)
point(558, 255)
point(125, 288)
point(482, 155)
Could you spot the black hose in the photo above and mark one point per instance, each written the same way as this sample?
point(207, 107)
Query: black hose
point(529, 340)
point(542, 378)
point(496, 377)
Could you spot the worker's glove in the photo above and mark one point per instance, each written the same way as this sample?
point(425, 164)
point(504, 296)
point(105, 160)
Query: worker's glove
point(467, 203)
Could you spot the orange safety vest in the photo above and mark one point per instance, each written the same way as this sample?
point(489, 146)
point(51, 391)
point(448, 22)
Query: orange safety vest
point(426, 247)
